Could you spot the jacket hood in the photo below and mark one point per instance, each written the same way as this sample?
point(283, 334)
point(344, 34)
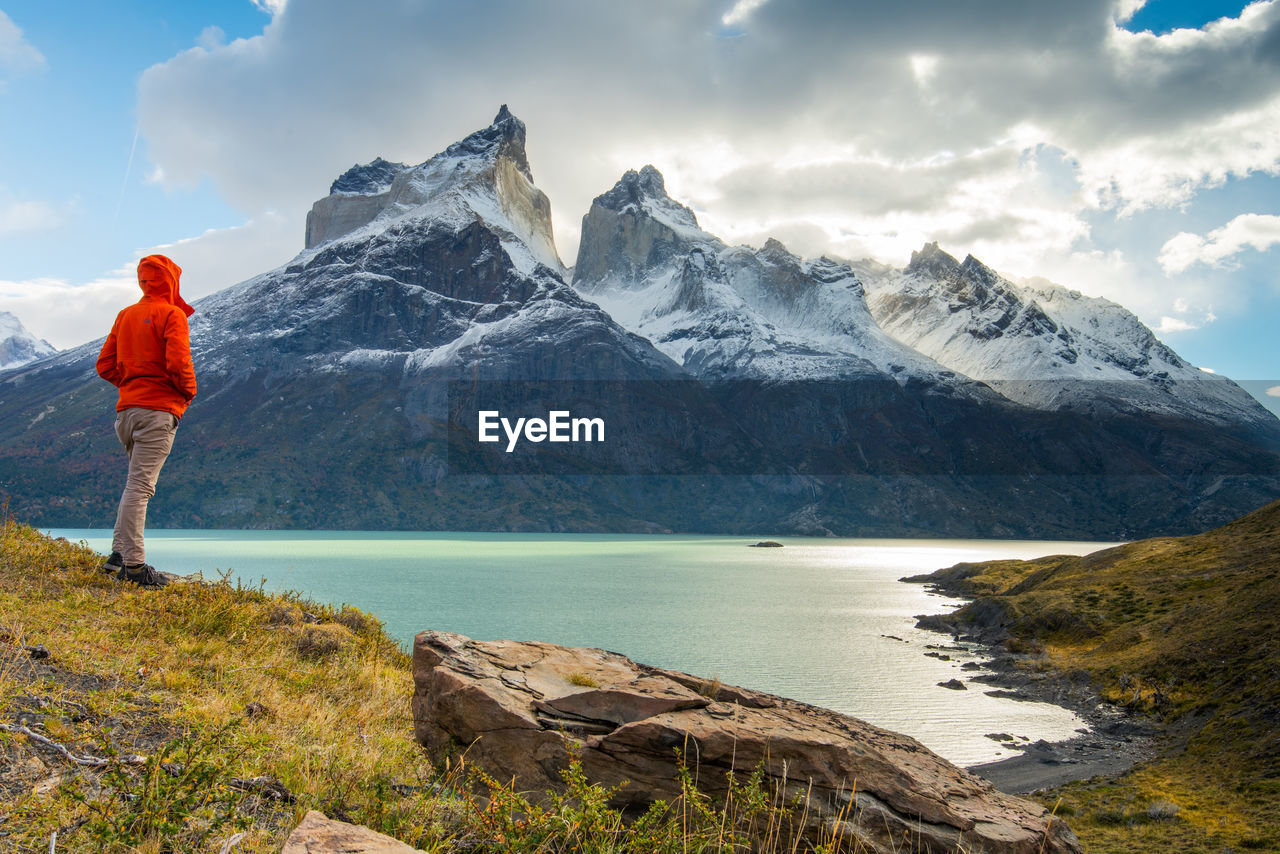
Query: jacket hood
point(170, 273)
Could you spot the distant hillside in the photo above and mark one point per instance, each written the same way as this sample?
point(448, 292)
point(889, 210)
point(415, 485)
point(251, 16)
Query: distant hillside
point(1184, 628)
point(1178, 626)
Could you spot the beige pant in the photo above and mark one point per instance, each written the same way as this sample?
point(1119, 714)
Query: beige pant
point(147, 436)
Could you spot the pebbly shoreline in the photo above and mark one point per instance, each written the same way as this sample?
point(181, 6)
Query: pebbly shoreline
point(1114, 741)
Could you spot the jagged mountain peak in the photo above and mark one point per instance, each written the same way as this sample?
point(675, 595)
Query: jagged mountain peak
point(341, 363)
point(645, 192)
point(635, 227)
point(932, 261)
point(775, 249)
point(648, 182)
point(17, 345)
point(484, 176)
point(367, 179)
point(829, 270)
point(505, 137)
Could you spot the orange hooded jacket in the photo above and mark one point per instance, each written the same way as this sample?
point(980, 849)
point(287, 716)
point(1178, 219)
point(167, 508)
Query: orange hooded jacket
point(148, 353)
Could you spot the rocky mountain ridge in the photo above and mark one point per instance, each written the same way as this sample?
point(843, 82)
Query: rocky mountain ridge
point(1046, 346)
point(730, 312)
point(746, 390)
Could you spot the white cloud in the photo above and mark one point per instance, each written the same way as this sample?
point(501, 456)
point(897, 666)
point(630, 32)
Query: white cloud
point(226, 256)
point(16, 53)
point(923, 68)
point(1174, 324)
point(67, 314)
point(849, 128)
point(1218, 247)
point(211, 37)
point(1274, 391)
point(1126, 9)
point(18, 216)
point(1167, 169)
point(1209, 370)
point(741, 11)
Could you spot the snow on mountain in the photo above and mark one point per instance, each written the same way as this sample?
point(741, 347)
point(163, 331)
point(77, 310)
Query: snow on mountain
point(341, 389)
point(441, 265)
point(756, 386)
point(485, 175)
point(17, 345)
point(1043, 345)
point(730, 312)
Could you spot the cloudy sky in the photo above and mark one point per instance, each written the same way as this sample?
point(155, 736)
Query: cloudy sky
point(1126, 149)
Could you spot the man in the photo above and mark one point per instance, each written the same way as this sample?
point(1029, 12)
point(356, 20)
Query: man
point(148, 357)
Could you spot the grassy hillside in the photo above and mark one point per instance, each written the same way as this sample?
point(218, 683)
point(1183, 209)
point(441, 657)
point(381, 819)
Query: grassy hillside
point(204, 714)
point(1186, 629)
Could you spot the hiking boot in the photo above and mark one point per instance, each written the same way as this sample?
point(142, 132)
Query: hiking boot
point(143, 575)
point(115, 563)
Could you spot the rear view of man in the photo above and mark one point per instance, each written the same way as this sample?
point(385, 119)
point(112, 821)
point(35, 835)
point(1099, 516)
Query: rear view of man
point(147, 357)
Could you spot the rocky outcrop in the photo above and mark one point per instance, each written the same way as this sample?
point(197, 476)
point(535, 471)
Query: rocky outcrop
point(519, 709)
point(320, 835)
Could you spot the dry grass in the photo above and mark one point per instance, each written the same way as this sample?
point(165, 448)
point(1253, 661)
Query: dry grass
point(582, 680)
point(1175, 804)
point(234, 694)
point(330, 701)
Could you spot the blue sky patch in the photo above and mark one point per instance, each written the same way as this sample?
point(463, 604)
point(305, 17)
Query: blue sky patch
point(1165, 16)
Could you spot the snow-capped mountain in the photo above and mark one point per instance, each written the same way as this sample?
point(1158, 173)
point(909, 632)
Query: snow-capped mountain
point(731, 312)
point(440, 267)
point(1044, 345)
point(486, 175)
point(329, 386)
point(752, 389)
point(17, 345)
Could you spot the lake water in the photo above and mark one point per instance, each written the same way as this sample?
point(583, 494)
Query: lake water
point(825, 621)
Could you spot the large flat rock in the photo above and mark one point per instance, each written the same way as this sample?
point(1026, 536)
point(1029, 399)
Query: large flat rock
point(317, 834)
point(518, 708)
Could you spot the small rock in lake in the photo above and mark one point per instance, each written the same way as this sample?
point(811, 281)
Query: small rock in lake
point(766, 544)
point(999, 736)
point(971, 665)
point(954, 685)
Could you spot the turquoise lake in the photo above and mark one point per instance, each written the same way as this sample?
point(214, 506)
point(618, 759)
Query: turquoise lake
point(825, 621)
